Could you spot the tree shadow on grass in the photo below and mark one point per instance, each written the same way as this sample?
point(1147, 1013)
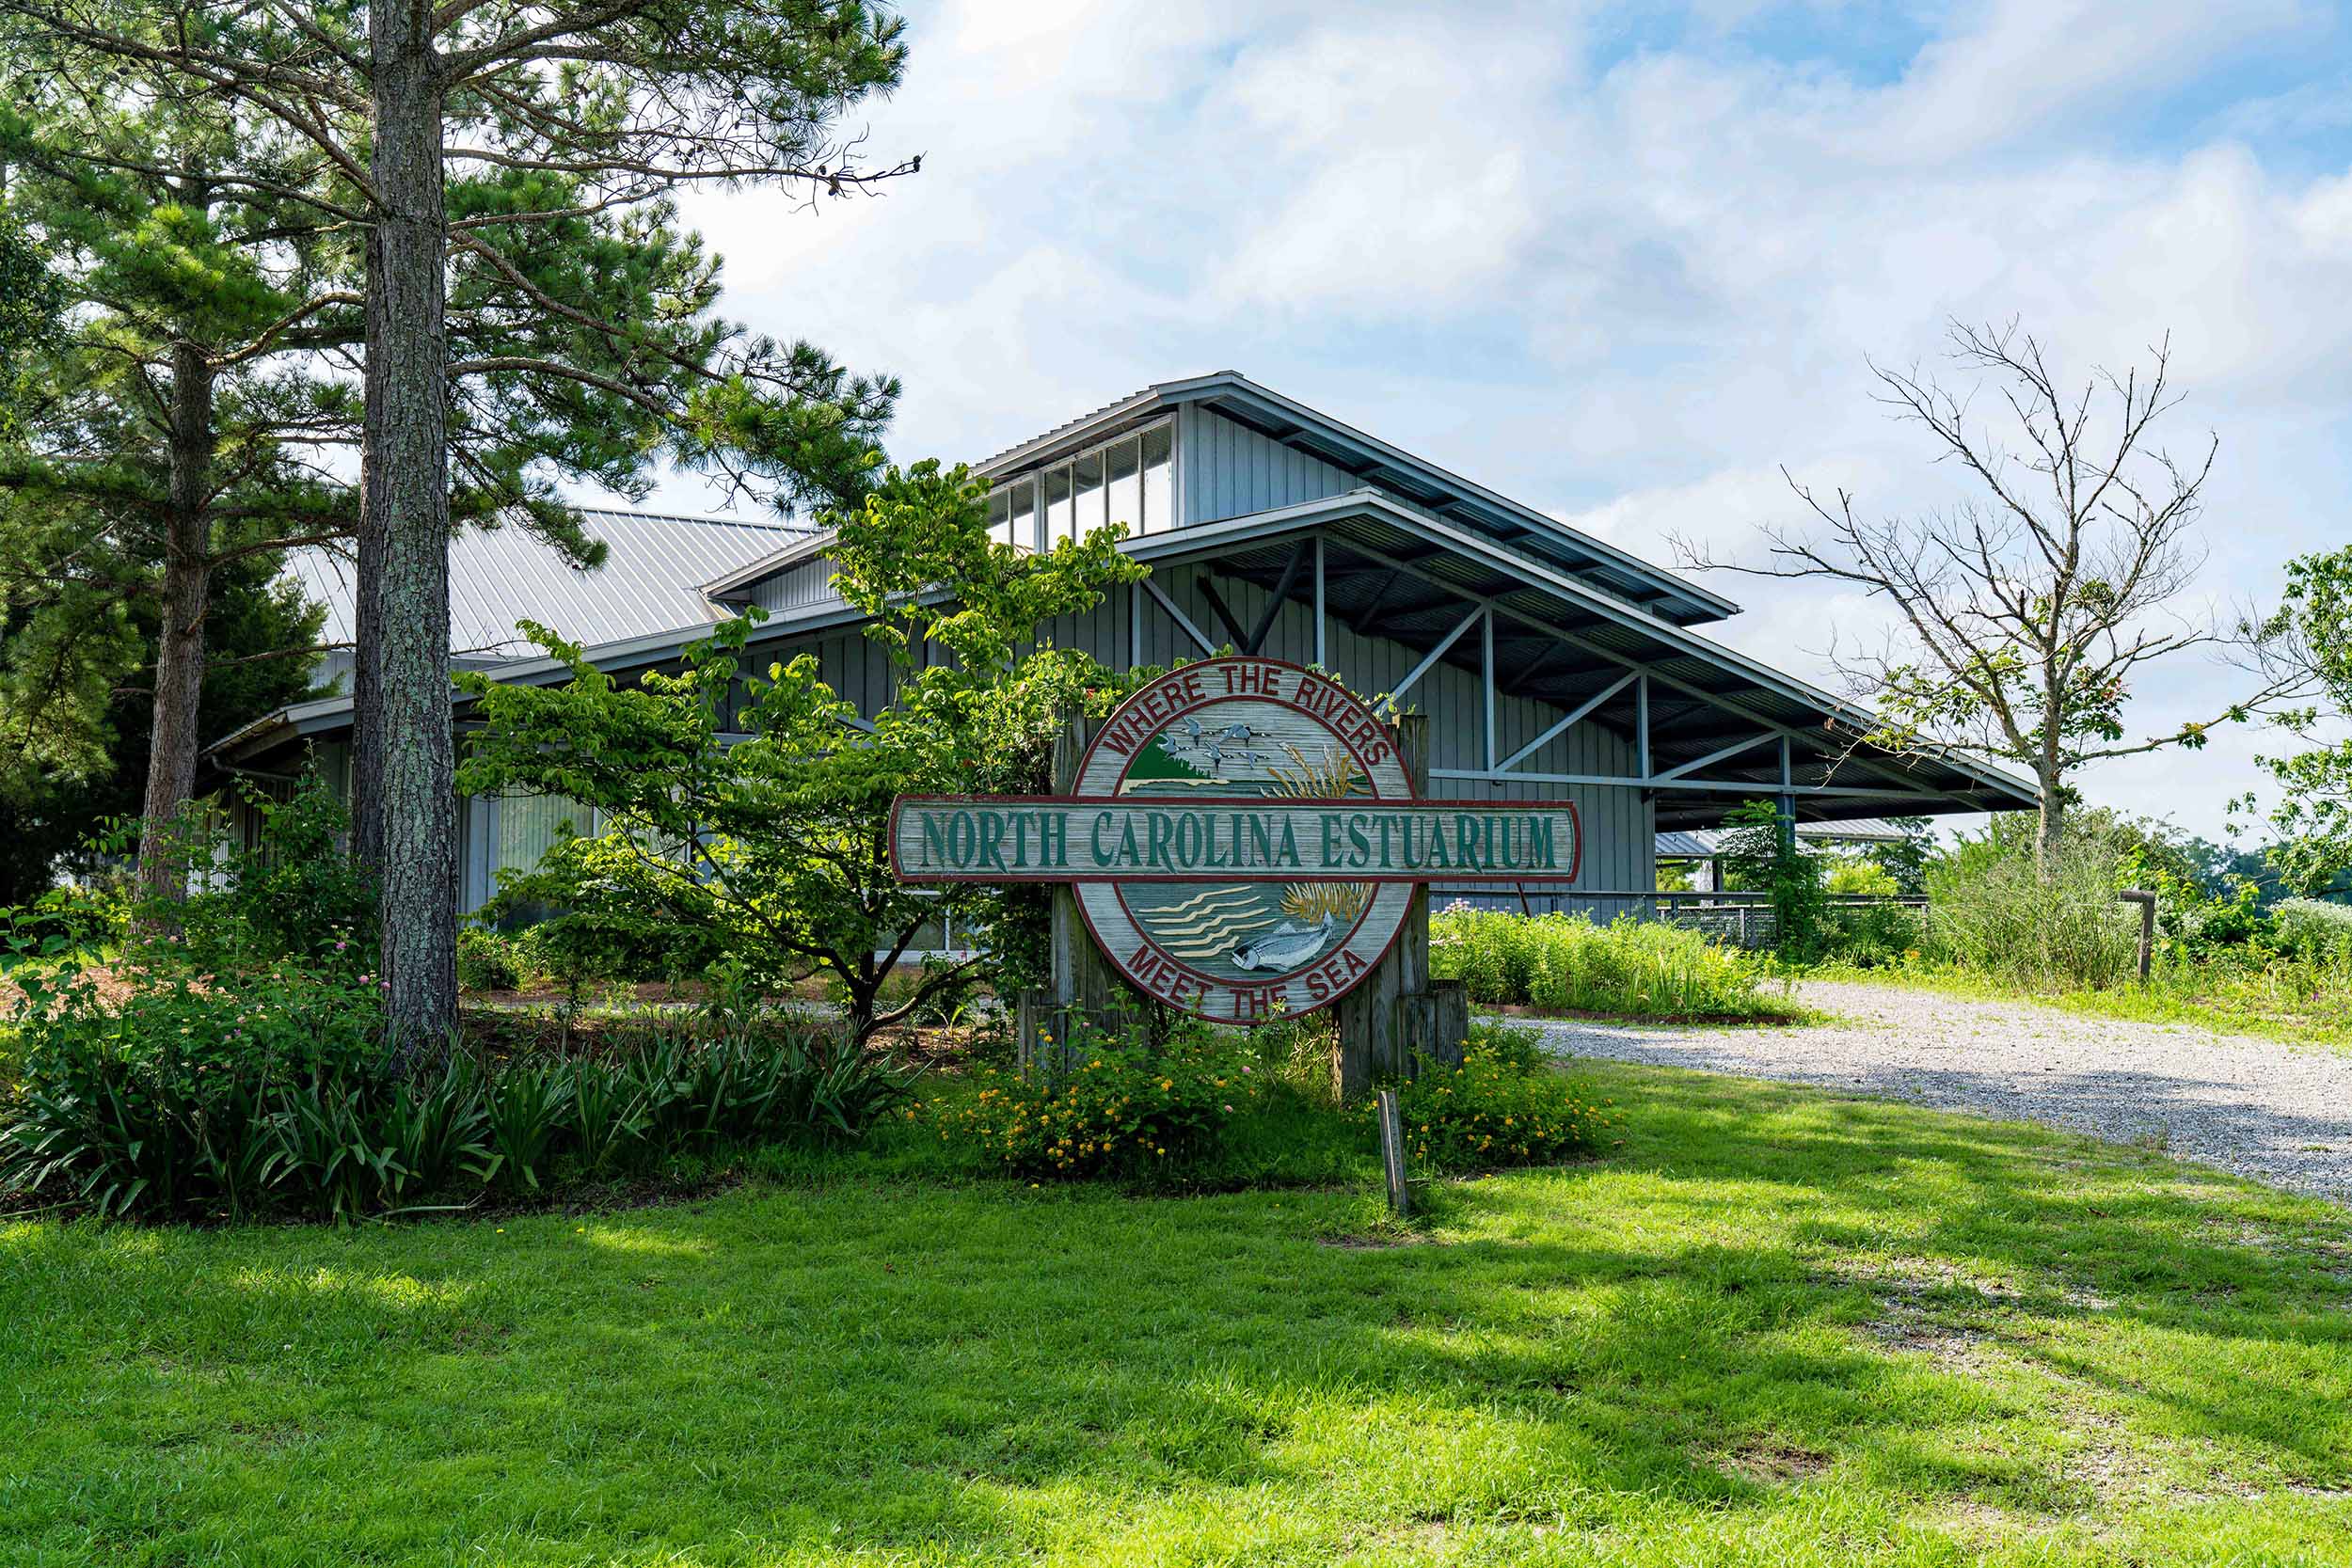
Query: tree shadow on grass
point(991, 1372)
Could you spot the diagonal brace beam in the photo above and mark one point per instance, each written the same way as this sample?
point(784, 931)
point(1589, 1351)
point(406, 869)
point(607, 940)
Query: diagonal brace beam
point(1696, 763)
point(1300, 555)
point(1179, 616)
point(1437, 653)
point(1582, 710)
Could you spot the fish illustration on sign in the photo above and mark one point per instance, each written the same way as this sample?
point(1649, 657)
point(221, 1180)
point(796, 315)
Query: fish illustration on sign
point(1287, 946)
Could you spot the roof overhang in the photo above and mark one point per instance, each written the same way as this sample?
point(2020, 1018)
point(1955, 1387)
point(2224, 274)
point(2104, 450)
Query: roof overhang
point(734, 584)
point(1395, 572)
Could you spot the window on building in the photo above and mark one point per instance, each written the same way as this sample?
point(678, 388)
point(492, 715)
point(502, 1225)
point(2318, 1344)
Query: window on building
point(1056, 484)
point(1159, 490)
point(1012, 512)
point(1085, 485)
point(1126, 481)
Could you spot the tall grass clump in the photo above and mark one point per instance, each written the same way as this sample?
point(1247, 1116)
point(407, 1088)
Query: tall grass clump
point(1994, 909)
point(1566, 963)
point(2315, 932)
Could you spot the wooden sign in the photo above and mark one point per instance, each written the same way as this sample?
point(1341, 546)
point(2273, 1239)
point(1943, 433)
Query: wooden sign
point(1243, 840)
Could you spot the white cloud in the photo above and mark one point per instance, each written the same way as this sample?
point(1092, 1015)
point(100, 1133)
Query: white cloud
point(1625, 289)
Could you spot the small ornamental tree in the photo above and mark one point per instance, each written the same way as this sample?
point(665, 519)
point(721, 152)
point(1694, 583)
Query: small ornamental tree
point(774, 847)
point(1760, 854)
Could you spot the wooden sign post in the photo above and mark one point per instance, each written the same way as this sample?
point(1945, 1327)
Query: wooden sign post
point(1243, 841)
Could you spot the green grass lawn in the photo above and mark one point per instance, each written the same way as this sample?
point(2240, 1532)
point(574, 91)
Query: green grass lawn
point(1774, 1327)
point(2218, 999)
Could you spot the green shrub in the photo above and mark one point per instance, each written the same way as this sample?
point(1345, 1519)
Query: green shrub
point(489, 960)
point(1567, 963)
point(1492, 1111)
point(1519, 1049)
point(273, 1093)
point(297, 895)
point(1861, 880)
point(1760, 855)
point(609, 942)
point(1875, 936)
point(171, 1100)
point(64, 920)
point(1122, 1108)
point(2314, 931)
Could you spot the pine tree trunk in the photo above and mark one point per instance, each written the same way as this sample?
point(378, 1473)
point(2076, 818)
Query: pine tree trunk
point(367, 715)
point(411, 788)
point(179, 644)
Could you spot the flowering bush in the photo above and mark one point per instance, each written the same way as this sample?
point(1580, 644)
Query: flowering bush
point(1122, 1107)
point(1491, 1111)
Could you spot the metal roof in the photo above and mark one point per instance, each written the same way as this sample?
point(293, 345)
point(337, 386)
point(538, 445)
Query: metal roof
point(1398, 573)
point(1389, 469)
point(735, 585)
point(651, 579)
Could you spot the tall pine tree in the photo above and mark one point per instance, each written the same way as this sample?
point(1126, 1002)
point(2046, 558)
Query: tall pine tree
point(592, 112)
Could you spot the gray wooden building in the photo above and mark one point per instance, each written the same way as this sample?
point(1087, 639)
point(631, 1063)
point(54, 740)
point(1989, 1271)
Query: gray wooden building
point(1552, 664)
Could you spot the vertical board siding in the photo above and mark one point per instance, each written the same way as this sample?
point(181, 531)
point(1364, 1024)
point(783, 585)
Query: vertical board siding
point(798, 587)
point(1230, 470)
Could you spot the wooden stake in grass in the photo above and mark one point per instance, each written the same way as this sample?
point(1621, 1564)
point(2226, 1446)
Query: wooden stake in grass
point(2146, 902)
point(1392, 1153)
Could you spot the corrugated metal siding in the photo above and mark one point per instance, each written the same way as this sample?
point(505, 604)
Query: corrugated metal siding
point(798, 587)
point(650, 580)
point(1228, 470)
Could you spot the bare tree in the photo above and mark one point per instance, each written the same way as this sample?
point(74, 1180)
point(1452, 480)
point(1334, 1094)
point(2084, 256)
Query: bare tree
point(2028, 612)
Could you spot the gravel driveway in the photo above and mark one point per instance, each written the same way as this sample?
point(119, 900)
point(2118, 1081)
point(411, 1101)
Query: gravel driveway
point(2281, 1113)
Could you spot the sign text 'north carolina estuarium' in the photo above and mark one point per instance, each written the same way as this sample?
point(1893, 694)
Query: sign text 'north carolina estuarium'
point(1244, 839)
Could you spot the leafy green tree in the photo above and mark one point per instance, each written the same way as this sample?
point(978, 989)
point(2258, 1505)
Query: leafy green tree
point(49, 814)
point(2310, 636)
point(775, 848)
point(589, 111)
point(168, 436)
point(1906, 859)
point(31, 302)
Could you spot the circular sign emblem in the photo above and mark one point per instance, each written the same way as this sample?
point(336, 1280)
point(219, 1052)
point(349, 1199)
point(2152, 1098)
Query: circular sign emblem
point(1249, 766)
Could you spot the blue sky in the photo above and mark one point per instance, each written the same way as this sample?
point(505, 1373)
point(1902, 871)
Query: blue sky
point(1621, 263)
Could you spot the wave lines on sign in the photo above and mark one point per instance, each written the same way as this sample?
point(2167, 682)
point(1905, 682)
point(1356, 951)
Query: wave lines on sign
point(1207, 924)
point(1195, 923)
